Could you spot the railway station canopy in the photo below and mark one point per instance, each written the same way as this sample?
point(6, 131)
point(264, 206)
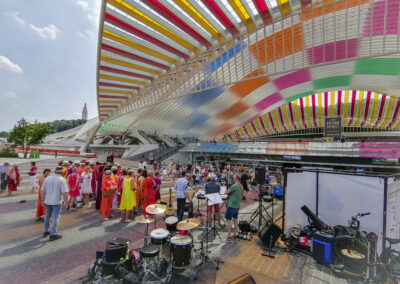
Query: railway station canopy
point(240, 69)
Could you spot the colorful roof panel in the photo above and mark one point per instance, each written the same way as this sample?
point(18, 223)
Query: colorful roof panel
point(206, 68)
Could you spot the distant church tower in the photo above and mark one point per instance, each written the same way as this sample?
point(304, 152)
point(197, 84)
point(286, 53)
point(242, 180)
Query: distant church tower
point(84, 113)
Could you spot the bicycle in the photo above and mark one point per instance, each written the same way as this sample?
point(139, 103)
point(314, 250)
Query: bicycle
point(351, 248)
point(388, 263)
point(357, 255)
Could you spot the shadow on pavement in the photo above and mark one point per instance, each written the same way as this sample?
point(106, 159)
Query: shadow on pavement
point(25, 247)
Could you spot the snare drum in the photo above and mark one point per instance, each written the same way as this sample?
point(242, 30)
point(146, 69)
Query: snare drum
point(171, 223)
point(159, 236)
point(181, 249)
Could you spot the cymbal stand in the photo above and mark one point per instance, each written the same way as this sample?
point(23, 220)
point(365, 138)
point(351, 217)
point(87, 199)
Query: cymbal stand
point(146, 231)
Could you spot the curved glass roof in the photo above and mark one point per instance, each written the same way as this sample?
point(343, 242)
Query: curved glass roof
point(206, 68)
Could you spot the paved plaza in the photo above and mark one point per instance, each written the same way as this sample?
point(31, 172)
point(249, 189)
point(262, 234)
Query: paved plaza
point(26, 257)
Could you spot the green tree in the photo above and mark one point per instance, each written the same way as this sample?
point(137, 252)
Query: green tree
point(27, 134)
point(4, 134)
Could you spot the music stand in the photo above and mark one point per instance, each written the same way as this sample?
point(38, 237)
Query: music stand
point(214, 199)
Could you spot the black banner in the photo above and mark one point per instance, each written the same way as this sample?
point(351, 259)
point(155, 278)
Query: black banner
point(333, 126)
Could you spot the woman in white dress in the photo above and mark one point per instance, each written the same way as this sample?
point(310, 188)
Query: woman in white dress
point(86, 186)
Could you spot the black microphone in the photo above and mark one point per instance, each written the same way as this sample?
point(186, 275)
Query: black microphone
point(365, 214)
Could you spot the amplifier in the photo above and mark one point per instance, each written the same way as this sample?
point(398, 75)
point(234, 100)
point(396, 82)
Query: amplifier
point(323, 246)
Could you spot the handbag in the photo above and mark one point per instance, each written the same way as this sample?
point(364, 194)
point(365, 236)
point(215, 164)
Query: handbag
point(106, 194)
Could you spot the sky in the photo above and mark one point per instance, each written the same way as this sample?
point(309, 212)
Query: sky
point(48, 57)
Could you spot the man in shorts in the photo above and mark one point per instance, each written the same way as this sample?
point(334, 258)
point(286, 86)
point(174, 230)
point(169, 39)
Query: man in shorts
point(235, 193)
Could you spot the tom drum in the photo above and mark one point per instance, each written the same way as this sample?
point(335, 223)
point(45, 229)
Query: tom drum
point(159, 236)
point(171, 223)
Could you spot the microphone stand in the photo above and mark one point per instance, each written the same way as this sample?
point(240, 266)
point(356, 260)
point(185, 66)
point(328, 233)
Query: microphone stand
point(198, 212)
point(214, 229)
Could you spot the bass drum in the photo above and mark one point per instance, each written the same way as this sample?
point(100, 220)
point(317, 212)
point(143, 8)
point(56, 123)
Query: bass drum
point(181, 250)
point(171, 223)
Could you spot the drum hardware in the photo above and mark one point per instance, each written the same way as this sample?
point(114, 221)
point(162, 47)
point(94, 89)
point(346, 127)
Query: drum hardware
point(148, 255)
point(146, 220)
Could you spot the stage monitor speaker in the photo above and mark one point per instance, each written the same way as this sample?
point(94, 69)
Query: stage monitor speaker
point(260, 175)
point(270, 233)
point(244, 279)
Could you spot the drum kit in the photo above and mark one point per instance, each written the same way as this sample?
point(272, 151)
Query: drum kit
point(172, 245)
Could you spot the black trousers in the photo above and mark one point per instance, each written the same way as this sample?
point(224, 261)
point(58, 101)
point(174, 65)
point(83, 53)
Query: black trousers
point(180, 207)
point(3, 181)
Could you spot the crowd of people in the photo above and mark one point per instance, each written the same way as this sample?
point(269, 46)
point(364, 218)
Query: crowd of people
point(10, 178)
point(127, 190)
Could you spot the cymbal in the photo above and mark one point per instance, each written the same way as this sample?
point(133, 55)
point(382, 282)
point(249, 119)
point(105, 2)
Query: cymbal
point(145, 220)
point(155, 209)
point(188, 224)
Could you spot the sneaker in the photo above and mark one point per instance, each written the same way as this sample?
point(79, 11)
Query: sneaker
point(54, 237)
point(45, 234)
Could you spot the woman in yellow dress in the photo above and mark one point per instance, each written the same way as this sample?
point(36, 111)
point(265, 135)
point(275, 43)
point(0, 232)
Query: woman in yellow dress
point(128, 199)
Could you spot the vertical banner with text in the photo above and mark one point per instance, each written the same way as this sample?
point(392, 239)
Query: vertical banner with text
point(333, 126)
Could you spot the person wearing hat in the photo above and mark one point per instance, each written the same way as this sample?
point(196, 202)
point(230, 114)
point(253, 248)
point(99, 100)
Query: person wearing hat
point(213, 187)
point(54, 194)
point(3, 172)
point(182, 195)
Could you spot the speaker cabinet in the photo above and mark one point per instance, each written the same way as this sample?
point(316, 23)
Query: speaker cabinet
point(270, 233)
point(260, 175)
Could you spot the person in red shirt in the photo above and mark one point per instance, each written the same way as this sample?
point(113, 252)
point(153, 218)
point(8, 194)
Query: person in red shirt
point(32, 176)
point(108, 187)
point(40, 209)
point(73, 187)
point(149, 192)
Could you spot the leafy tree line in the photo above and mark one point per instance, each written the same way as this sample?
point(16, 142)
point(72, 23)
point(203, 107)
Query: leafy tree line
point(4, 134)
point(62, 125)
point(26, 134)
point(55, 126)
